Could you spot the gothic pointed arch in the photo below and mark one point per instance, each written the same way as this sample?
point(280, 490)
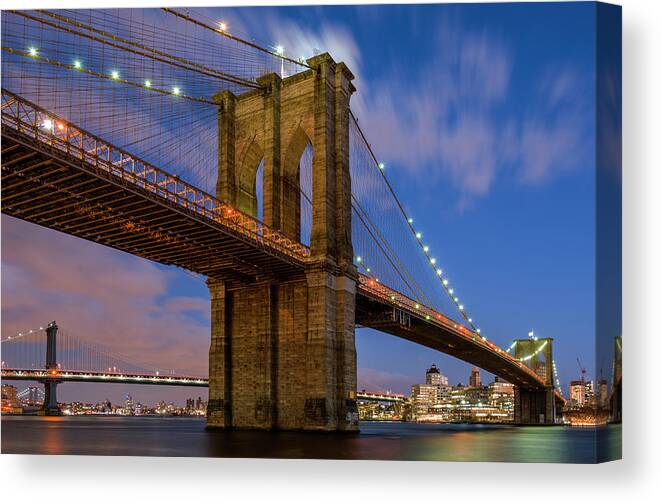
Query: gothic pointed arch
point(248, 200)
point(292, 197)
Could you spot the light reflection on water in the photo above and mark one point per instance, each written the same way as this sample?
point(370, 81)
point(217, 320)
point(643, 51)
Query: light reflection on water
point(157, 436)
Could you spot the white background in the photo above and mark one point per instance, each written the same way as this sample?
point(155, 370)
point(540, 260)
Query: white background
point(636, 478)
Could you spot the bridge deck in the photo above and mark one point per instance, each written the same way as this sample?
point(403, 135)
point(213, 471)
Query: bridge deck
point(43, 375)
point(69, 180)
point(376, 305)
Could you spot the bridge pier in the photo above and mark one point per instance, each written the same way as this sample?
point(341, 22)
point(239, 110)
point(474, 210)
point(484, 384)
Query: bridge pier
point(282, 355)
point(282, 352)
point(536, 406)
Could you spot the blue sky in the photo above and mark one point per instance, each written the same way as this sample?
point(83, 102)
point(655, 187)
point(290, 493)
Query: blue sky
point(484, 115)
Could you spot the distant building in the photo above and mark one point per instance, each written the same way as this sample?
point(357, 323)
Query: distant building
point(474, 381)
point(577, 392)
point(190, 405)
point(589, 392)
point(501, 396)
point(128, 405)
point(423, 397)
point(435, 401)
point(434, 376)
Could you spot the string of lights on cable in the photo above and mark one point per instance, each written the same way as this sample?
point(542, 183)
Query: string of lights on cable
point(23, 334)
point(432, 262)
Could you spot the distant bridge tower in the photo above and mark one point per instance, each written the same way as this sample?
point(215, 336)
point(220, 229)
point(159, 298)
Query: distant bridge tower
point(535, 406)
point(50, 386)
point(282, 352)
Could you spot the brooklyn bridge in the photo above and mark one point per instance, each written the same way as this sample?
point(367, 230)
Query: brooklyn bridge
point(196, 148)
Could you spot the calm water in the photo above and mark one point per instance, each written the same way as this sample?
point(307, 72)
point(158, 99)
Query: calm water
point(147, 436)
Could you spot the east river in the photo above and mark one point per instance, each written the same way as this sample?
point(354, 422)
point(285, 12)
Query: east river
point(177, 436)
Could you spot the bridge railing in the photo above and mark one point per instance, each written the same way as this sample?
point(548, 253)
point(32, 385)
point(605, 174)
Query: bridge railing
point(396, 299)
point(50, 129)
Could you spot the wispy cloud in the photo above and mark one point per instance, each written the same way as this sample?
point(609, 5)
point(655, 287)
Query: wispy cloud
point(457, 121)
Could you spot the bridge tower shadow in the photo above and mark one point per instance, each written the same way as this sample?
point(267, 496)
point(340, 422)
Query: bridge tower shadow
point(282, 352)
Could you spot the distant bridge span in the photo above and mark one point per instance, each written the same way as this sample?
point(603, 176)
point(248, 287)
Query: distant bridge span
point(62, 376)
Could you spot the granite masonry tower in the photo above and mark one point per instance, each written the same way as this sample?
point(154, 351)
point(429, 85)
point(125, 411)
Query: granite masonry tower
point(282, 352)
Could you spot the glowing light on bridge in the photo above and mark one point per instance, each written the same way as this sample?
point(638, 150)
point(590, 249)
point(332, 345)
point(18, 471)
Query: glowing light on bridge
point(32, 51)
point(176, 90)
point(279, 50)
point(114, 74)
point(147, 83)
point(382, 166)
point(77, 65)
point(222, 26)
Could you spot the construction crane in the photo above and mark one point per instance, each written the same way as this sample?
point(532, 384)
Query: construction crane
point(582, 369)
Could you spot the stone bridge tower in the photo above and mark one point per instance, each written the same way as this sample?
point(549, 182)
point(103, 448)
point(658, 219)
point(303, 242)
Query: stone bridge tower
point(536, 406)
point(282, 352)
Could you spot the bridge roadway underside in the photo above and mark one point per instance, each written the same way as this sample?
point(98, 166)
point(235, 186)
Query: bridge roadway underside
point(53, 189)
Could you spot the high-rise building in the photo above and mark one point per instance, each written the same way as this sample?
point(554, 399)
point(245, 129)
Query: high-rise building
point(434, 376)
point(128, 405)
point(475, 381)
point(589, 392)
point(577, 392)
point(190, 405)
